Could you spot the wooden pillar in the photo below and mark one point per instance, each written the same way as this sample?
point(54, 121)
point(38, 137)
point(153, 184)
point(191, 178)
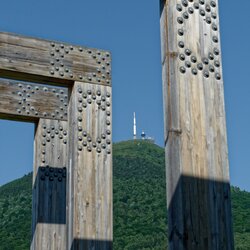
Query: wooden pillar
point(49, 185)
point(90, 167)
point(198, 189)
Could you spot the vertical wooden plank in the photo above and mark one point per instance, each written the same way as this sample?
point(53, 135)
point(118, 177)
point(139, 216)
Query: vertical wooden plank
point(90, 167)
point(49, 185)
point(195, 128)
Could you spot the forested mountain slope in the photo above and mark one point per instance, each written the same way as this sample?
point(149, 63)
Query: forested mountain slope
point(139, 203)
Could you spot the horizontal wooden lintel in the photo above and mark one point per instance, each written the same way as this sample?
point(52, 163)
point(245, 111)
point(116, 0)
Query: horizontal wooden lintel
point(41, 60)
point(30, 101)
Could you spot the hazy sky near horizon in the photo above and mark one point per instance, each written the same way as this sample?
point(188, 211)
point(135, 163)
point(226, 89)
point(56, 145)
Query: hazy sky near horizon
point(130, 30)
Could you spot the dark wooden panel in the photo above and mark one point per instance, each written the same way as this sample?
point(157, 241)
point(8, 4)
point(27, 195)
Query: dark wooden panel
point(36, 60)
point(29, 101)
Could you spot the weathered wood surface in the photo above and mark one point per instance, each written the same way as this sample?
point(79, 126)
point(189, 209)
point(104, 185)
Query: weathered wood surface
point(90, 168)
point(195, 129)
point(52, 62)
point(29, 101)
point(49, 185)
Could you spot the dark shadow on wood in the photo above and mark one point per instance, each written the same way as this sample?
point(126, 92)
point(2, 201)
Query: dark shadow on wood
point(51, 195)
point(87, 244)
point(199, 215)
point(162, 4)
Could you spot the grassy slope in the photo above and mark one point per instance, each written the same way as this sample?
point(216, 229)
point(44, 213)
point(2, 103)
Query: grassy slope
point(139, 203)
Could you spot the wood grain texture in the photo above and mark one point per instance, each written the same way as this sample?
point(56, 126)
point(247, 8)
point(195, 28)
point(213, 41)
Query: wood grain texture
point(195, 128)
point(90, 167)
point(52, 62)
point(49, 185)
point(29, 101)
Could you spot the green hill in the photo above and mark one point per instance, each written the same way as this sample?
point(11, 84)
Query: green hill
point(139, 203)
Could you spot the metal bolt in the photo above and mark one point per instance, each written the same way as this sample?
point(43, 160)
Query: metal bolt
point(182, 69)
point(194, 71)
point(214, 27)
point(180, 20)
point(213, 4)
point(202, 12)
point(182, 57)
point(206, 73)
point(210, 56)
point(205, 61)
point(200, 66)
point(193, 59)
point(215, 39)
point(207, 8)
point(188, 52)
point(217, 76)
point(181, 44)
point(180, 32)
point(211, 68)
point(188, 64)
point(216, 63)
point(179, 7)
point(208, 20)
point(184, 3)
point(185, 15)
point(216, 51)
point(196, 6)
point(213, 15)
point(190, 10)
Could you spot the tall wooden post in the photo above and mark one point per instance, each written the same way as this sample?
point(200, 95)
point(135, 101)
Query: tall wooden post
point(198, 189)
point(66, 91)
point(90, 163)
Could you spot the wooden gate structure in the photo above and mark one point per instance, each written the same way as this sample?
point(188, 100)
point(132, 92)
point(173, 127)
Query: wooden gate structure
point(66, 91)
point(198, 189)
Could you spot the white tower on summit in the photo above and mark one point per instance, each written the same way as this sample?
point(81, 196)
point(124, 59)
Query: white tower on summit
point(134, 130)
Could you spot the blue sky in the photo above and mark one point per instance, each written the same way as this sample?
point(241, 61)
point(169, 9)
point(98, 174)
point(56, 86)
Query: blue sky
point(130, 29)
